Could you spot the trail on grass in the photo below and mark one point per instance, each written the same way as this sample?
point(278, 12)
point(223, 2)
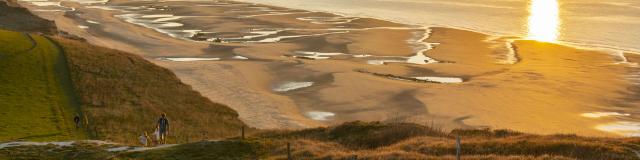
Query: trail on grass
point(37, 94)
point(33, 45)
point(61, 69)
point(33, 42)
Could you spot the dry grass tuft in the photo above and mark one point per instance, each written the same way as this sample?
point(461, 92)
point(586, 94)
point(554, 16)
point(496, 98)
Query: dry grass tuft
point(350, 134)
point(411, 141)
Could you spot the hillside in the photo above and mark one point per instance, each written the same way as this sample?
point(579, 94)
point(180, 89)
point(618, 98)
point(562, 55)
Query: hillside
point(49, 79)
point(363, 141)
point(36, 96)
point(123, 95)
point(20, 19)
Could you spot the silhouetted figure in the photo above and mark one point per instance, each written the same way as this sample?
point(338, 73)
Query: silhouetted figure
point(163, 128)
point(76, 119)
point(144, 139)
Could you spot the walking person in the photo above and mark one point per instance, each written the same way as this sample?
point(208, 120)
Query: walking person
point(76, 119)
point(163, 128)
point(144, 139)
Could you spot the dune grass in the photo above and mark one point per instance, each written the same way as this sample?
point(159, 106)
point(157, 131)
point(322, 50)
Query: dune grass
point(35, 102)
point(222, 150)
point(372, 140)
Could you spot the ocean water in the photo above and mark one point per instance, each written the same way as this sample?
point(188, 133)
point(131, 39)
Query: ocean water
point(612, 24)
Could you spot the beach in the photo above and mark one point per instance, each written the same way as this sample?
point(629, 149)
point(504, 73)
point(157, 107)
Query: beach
point(290, 68)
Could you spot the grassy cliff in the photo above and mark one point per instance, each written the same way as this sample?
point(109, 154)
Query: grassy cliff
point(35, 92)
point(17, 18)
point(46, 81)
point(124, 94)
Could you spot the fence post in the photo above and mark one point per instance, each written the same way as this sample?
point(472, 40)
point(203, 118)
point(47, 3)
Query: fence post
point(242, 132)
point(458, 147)
point(289, 151)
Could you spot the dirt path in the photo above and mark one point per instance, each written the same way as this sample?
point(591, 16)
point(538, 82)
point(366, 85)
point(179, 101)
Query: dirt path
point(33, 42)
point(36, 92)
point(63, 79)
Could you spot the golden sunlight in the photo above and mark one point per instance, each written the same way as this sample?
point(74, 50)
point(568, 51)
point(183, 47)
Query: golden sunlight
point(544, 20)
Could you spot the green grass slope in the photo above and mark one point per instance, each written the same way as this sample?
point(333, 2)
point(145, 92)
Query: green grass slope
point(34, 90)
point(124, 94)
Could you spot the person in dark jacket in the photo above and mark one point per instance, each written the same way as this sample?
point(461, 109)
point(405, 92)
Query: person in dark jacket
point(163, 128)
point(76, 119)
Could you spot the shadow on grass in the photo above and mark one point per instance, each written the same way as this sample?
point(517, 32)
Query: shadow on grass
point(41, 136)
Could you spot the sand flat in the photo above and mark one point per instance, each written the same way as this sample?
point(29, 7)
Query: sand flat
point(545, 91)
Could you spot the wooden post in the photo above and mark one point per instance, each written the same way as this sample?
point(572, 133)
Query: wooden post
point(458, 147)
point(289, 151)
point(242, 132)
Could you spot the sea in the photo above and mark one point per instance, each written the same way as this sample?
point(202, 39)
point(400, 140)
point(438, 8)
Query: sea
point(606, 24)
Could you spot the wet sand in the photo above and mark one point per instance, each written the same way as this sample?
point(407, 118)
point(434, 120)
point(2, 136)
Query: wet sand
point(304, 69)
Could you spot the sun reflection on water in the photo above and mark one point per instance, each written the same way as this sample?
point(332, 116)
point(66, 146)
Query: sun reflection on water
point(544, 20)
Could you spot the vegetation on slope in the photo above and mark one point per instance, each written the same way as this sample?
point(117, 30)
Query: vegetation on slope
point(123, 96)
point(20, 19)
point(347, 141)
point(35, 94)
point(210, 150)
point(411, 141)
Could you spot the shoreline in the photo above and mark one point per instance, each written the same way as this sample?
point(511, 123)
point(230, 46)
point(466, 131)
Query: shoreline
point(577, 45)
point(335, 92)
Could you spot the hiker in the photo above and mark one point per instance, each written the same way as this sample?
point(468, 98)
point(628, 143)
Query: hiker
point(76, 119)
point(144, 139)
point(163, 128)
